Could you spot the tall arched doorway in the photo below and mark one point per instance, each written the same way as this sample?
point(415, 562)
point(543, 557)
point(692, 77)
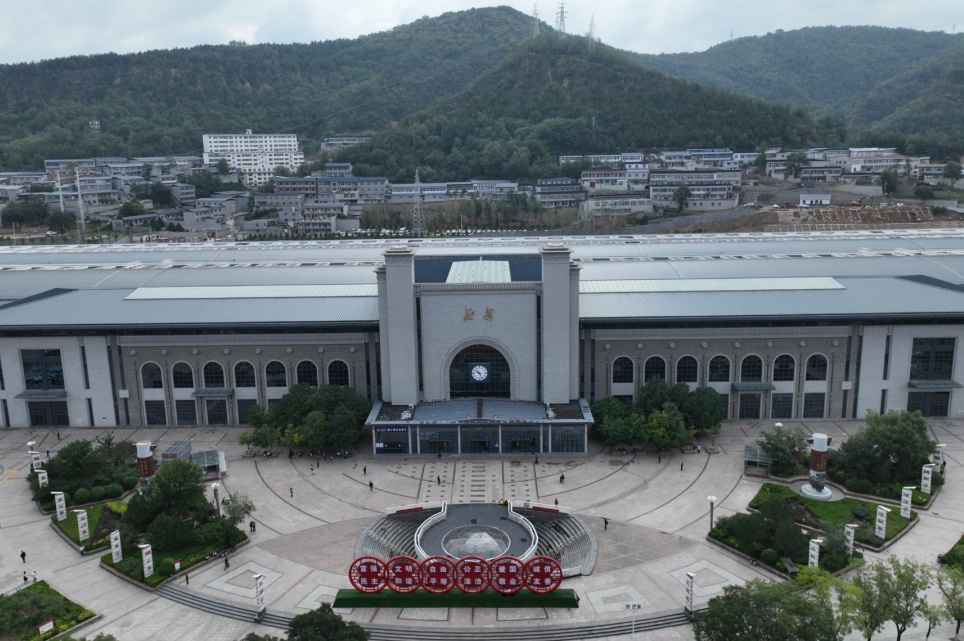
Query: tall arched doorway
point(480, 370)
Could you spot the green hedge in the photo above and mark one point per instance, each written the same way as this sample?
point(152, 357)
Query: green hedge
point(132, 565)
point(955, 556)
point(22, 611)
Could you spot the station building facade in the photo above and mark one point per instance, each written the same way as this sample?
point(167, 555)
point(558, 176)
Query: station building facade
point(483, 345)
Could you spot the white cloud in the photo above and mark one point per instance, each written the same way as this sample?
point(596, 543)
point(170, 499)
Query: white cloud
point(43, 29)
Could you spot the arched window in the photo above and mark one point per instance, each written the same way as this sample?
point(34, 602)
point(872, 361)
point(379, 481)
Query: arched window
point(213, 375)
point(480, 370)
point(275, 374)
point(751, 369)
point(719, 369)
point(307, 373)
point(244, 375)
point(183, 375)
point(623, 370)
point(784, 368)
point(655, 368)
point(338, 373)
point(687, 370)
point(817, 368)
point(151, 376)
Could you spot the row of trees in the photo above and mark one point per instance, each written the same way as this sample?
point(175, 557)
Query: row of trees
point(819, 607)
point(329, 417)
point(888, 453)
point(665, 416)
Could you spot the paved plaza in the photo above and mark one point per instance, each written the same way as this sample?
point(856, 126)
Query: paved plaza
point(308, 522)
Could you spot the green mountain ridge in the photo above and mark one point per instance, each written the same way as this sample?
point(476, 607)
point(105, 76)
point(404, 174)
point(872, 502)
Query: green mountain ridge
point(161, 102)
point(551, 97)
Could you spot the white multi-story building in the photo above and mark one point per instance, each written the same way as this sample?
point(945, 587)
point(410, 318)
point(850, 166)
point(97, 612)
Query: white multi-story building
point(255, 155)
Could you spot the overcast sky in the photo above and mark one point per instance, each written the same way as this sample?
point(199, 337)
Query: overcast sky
point(41, 29)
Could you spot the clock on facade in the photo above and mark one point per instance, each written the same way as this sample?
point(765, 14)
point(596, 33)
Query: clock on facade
point(480, 373)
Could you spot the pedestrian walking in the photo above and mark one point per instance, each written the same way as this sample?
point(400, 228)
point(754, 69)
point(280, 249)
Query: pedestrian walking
point(562, 478)
point(371, 486)
point(440, 455)
point(659, 458)
point(187, 579)
point(537, 460)
point(364, 470)
point(25, 577)
point(699, 448)
point(23, 556)
point(48, 455)
point(680, 467)
point(605, 524)
point(34, 575)
point(58, 436)
point(291, 491)
point(557, 501)
point(227, 563)
point(312, 468)
point(438, 480)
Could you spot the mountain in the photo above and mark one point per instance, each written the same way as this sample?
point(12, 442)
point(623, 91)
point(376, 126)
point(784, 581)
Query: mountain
point(553, 96)
point(876, 82)
point(161, 102)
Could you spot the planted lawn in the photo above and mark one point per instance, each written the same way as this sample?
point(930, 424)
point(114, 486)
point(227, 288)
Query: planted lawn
point(955, 556)
point(561, 598)
point(811, 512)
point(101, 521)
point(132, 564)
point(22, 611)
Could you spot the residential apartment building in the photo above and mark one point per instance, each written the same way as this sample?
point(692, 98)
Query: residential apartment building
point(255, 155)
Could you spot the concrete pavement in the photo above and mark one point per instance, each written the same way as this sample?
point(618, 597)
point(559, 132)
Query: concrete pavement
point(658, 514)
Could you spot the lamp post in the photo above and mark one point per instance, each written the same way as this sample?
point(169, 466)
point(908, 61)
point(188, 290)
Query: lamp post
point(30, 444)
point(712, 500)
point(217, 503)
point(634, 607)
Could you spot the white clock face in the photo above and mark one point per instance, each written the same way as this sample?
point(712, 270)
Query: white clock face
point(480, 373)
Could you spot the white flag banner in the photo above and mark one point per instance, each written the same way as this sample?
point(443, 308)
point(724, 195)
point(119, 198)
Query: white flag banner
point(881, 528)
point(259, 591)
point(849, 538)
point(83, 529)
point(689, 592)
point(35, 463)
point(148, 559)
point(814, 558)
point(906, 499)
point(117, 554)
point(925, 479)
point(42, 478)
point(61, 505)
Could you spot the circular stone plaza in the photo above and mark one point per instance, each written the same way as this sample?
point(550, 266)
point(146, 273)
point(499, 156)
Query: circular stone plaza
point(658, 518)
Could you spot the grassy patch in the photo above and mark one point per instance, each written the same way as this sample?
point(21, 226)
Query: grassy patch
point(132, 565)
point(561, 598)
point(955, 556)
point(22, 611)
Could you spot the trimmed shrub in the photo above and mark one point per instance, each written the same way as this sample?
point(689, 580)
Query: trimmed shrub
point(169, 533)
point(165, 568)
point(114, 490)
point(859, 510)
point(97, 493)
point(755, 550)
point(129, 482)
point(861, 486)
point(770, 556)
point(81, 496)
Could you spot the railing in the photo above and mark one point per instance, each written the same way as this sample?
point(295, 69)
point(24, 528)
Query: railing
point(541, 507)
point(415, 507)
point(524, 522)
point(426, 524)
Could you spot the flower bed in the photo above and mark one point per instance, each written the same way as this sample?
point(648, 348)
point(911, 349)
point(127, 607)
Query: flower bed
point(22, 611)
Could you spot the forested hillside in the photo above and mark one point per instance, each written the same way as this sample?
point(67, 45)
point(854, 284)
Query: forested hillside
point(161, 102)
point(551, 97)
point(893, 86)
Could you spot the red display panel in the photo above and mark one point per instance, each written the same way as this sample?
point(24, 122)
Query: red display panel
point(367, 574)
point(403, 574)
point(472, 574)
point(543, 574)
point(438, 574)
point(507, 575)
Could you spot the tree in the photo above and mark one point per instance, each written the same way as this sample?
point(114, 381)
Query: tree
point(653, 395)
point(794, 162)
point(238, 508)
point(828, 590)
point(666, 428)
point(952, 171)
point(703, 410)
point(223, 167)
point(865, 599)
point(131, 208)
point(681, 194)
point(178, 487)
point(784, 446)
point(113, 452)
point(888, 181)
point(892, 448)
point(323, 624)
point(61, 221)
point(950, 581)
point(924, 192)
point(904, 585)
point(761, 611)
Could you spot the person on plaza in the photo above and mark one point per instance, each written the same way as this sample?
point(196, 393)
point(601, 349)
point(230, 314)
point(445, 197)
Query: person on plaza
point(252, 526)
point(371, 486)
point(187, 579)
point(312, 468)
point(227, 564)
point(557, 501)
point(605, 524)
point(291, 491)
point(25, 577)
point(23, 556)
point(562, 478)
point(34, 575)
point(438, 480)
point(364, 470)
point(681, 467)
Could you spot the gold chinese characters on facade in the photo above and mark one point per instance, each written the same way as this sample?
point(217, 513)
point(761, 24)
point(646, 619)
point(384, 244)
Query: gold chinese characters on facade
point(469, 314)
